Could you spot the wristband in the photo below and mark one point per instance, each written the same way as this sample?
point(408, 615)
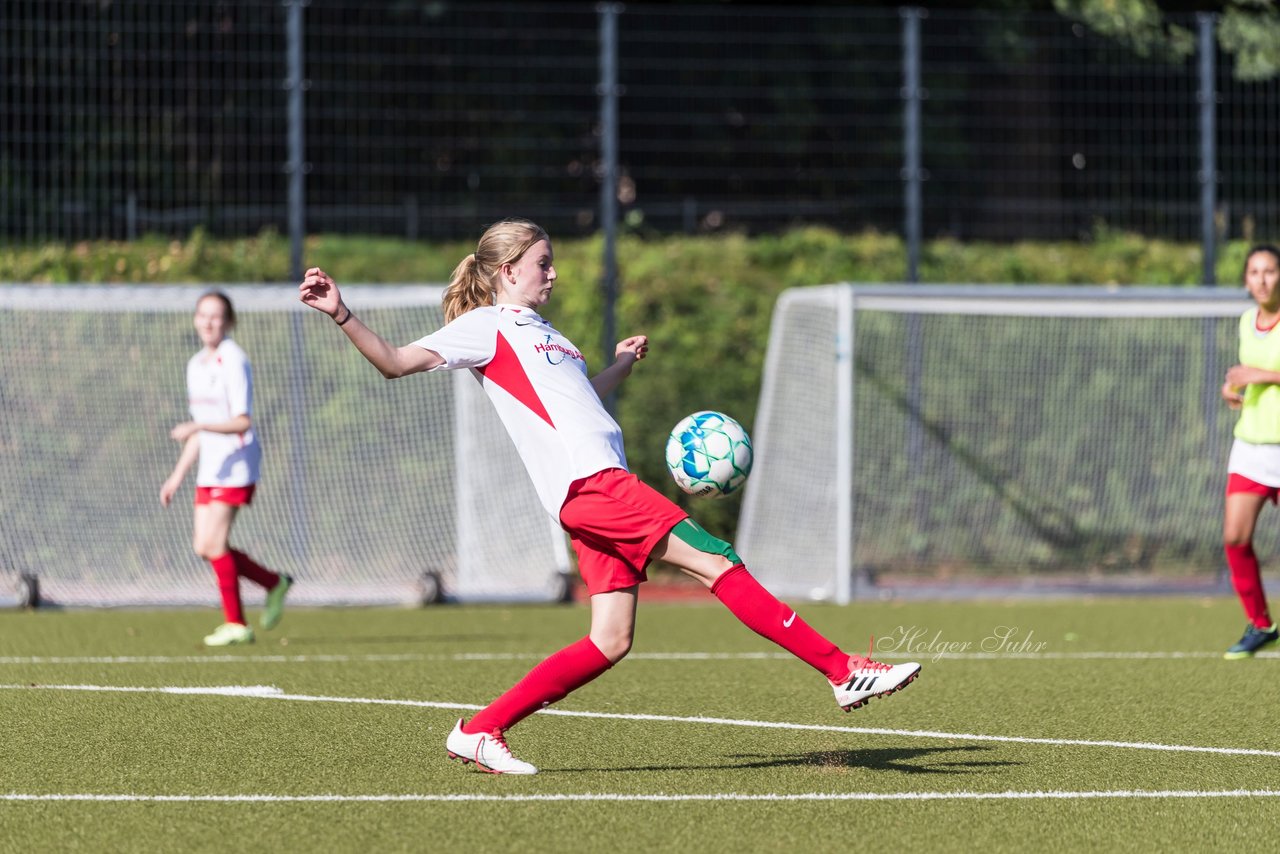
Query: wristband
point(345, 319)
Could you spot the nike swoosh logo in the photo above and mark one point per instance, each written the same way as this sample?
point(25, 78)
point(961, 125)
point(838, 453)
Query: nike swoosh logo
point(527, 323)
point(786, 624)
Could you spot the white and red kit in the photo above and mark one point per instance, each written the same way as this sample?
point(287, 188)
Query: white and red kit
point(573, 450)
point(538, 383)
point(220, 387)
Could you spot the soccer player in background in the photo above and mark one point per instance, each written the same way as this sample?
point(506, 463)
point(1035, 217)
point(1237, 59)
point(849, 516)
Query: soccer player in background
point(1253, 469)
point(572, 448)
point(221, 436)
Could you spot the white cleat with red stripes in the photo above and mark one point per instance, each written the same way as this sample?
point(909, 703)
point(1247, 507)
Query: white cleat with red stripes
point(869, 679)
point(488, 750)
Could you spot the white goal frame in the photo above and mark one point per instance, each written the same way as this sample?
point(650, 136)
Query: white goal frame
point(372, 492)
point(816, 328)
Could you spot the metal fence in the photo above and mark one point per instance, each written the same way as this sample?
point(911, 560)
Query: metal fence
point(426, 119)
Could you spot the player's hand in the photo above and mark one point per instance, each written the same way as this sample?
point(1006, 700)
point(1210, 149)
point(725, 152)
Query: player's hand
point(167, 491)
point(636, 346)
point(184, 431)
point(320, 292)
point(1233, 395)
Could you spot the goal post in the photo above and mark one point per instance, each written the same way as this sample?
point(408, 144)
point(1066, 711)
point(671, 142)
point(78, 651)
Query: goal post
point(939, 439)
point(371, 491)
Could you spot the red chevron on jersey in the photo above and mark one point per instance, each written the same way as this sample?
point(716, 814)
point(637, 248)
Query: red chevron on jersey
point(506, 371)
point(537, 381)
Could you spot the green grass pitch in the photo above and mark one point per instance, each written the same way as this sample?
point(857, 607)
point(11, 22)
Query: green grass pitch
point(1104, 724)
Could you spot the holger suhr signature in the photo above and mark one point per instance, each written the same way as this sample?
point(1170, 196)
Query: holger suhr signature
point(917, 640)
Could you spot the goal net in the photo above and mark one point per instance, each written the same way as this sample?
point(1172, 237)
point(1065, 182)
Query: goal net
point(370, 490)
point(948, 439)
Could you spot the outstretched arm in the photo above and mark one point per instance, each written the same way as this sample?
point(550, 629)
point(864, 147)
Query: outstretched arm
point(625, 355)
point(320, 292)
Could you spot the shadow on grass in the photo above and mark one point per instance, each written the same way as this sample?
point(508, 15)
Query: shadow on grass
point(906, 760)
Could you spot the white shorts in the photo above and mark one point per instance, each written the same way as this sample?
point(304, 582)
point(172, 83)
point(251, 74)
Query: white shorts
point(1259, 463)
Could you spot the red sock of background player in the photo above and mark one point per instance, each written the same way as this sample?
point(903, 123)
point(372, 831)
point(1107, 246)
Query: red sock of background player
point(254, 571)
point(224, 566)
point(1246, 578)
point(760, 611)
point(557, 675)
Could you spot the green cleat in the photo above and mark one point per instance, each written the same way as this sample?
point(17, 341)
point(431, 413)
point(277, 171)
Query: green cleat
point(1254, 639)
point(229, 634)
point(274, 609)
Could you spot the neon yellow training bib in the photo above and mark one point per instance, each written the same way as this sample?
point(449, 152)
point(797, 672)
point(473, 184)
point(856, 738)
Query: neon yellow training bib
point(1259, 421)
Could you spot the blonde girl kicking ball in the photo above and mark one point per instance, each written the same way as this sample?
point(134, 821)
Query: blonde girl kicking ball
point(572, 448)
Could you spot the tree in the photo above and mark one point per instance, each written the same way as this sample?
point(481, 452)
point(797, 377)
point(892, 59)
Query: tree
point(1248, 31)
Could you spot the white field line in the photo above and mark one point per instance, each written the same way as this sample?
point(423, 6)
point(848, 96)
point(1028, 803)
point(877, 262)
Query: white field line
point(711, 796)
point(1134, 655)
point(267, 692)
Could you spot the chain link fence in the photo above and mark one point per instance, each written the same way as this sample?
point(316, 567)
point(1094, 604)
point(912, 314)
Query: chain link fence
point(426, 119)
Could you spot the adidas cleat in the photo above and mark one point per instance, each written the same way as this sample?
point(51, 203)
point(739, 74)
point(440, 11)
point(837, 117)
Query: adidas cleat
point(1253, 640)
point(868, 679)
point(488, 750)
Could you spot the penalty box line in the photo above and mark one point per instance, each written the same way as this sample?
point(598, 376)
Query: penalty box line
point(268, 692)
point(662, 798)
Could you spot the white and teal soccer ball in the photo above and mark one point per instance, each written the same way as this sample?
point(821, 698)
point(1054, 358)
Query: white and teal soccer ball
point(709, 454)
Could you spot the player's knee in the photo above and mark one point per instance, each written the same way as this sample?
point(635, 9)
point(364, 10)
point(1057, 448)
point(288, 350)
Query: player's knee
point(207, 549)
point(613, 644)
point(1234, 539)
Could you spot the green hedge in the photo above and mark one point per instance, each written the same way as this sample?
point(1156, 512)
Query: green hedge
point(705, 302)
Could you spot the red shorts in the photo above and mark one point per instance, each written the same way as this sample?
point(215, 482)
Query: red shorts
point(234, 495)
point(614, 521)
point(1240, 483)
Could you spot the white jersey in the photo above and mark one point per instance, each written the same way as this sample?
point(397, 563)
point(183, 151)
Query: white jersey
point(220, 387)
point(538, 382)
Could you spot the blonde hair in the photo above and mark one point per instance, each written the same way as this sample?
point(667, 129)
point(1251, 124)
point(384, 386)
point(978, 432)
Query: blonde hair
point(474, 282)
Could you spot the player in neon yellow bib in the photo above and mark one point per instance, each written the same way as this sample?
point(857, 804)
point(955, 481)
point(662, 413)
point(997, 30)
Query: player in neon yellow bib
point(1253, 470)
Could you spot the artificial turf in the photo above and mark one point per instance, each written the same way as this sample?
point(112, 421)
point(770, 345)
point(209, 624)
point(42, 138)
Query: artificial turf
point(1101, 723)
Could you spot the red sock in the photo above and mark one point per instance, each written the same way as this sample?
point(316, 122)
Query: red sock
point(761, 612)
point(1246, 578)
point(557, 675)
point(254, 571)
point(224, 566)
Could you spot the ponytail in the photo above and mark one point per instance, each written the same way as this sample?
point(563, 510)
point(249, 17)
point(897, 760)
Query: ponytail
point(468, 289)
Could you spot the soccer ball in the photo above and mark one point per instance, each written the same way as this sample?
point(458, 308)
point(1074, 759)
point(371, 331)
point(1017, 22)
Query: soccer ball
point(709, 454)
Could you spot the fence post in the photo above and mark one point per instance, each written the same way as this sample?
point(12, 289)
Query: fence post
point(296, 85)
point(296, 168)
point(411, 216)
point(608, 92)
point(911, 174)
point(1208, 98)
